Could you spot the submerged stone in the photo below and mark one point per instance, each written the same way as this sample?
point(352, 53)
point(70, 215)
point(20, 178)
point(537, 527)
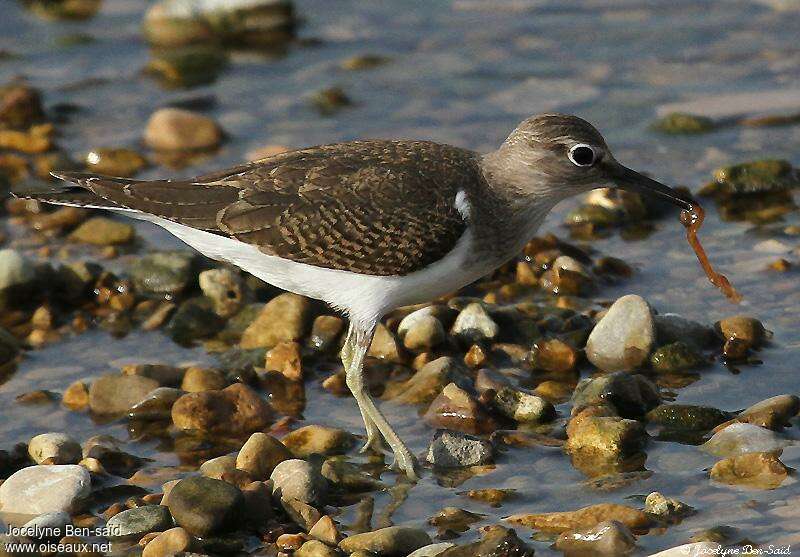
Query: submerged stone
point(756, 177)
point(394, 541)
point(609, 538)
point(585, 517)
point(761, 470)
point(676, 357)
point(687, 416)
point(741, 438)
point(677, 123)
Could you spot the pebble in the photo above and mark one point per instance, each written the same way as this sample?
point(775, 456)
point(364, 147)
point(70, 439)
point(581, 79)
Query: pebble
point(115, 162)
point(116, 394)
point(168, 543)
point(284, 318)
point(607, 436)
point(659, 505)
point(394, 541)
point(299, 480)
point(325, 332)
point(20, 106)
point(742, 438)
point(421, 330)
point(772, 413)
point(156, 406)
point(199, 379)
point(56, 448)
point(315, 548)
point(687, 417)
point(285, 358)
point(53, 522)
point(236, 409)
point(683, 123)
point(760, 470)
point(216, 467)
point(225, 288)
point(674, 328)
point(452, 449)
point(676, 357)
point(623, 338)
point(17, 277)
point(193, 320)
point(609, 538)
point(318, 439)
point(176, 129)
point(170, 376)
point(325, 531)
point(456, 409)
point(260, 454)
point(44, 489)
point(631, 396)
point(102, 231)
point(586, 517)
point(139, 521)
point(553, 355)
point(523, 407)
point(496, 541)
point(428, 381)
point(743, 328)
point(163, 272)
point(432, 550)
point(205, 506)
point(384, 345)
point(474, 325)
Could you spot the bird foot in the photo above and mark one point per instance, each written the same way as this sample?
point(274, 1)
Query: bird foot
point(374, 444)
point(405, 462)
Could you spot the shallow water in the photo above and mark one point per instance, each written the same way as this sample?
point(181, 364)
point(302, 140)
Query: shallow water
point(466, 72)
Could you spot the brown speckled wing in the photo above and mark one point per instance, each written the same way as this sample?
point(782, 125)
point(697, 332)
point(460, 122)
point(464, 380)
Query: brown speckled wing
point(371, 207)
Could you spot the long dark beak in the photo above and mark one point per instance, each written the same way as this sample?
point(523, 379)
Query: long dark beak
point(627, 179)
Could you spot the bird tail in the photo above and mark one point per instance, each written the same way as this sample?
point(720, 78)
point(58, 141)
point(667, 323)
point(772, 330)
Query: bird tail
point(77, 192)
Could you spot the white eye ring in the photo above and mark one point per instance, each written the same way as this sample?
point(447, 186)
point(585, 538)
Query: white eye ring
point(578, 155)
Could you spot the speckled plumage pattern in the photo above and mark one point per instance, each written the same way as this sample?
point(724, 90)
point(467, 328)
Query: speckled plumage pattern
point(371, 207)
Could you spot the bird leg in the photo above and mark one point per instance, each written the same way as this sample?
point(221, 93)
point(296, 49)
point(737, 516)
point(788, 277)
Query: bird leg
point(374, 439)
point(359, 339)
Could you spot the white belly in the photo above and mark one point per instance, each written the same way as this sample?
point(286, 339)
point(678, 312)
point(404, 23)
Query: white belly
point(364, 298)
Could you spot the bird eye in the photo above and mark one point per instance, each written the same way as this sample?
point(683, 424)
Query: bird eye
point(582, 155)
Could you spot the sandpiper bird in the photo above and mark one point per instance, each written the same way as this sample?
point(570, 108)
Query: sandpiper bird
point(369, 226)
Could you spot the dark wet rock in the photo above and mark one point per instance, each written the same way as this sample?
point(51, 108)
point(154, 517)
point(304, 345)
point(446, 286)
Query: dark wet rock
point(263, 23)
point(55, 448)
point(451, 449)
point(760, 470)
point(553, 355)
point(757, 177)
point(772, 413)
point(188, 66)
point(397, 541)
point(194, 320)
point(676, 357)
point(586, 517)
point(156, 405)
point(107, 451)
point(456, 409)
point(285, 318)
point(261, 454)
point(299, 480)
point(74, 282)
point(330, 100)
point(176, 129)
point(116, 394)
point(169, 376)
point(363, 62)
point(44, 489)
point(170, 542)
point(20, 106)
point(286, 359)
point(474, 325)
point(428, 381)
point(674, 328)
point(666, 508)
point(741, 438)
point(623, 338)
point(198, 379)
point(318, 439)
point(115, 162)
point(747, 330)
point(496, 541)
point(490, 379)
point(235, 410)
point(9, 347)
point(687, 416)
point(630, 395)
point(17, 278)
point(680, 123)
point(610, 538)
point(225, 288)
point(205, 506)
point(139, 521)
point(164, 272)
point(325, 332)
point(523, 407)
